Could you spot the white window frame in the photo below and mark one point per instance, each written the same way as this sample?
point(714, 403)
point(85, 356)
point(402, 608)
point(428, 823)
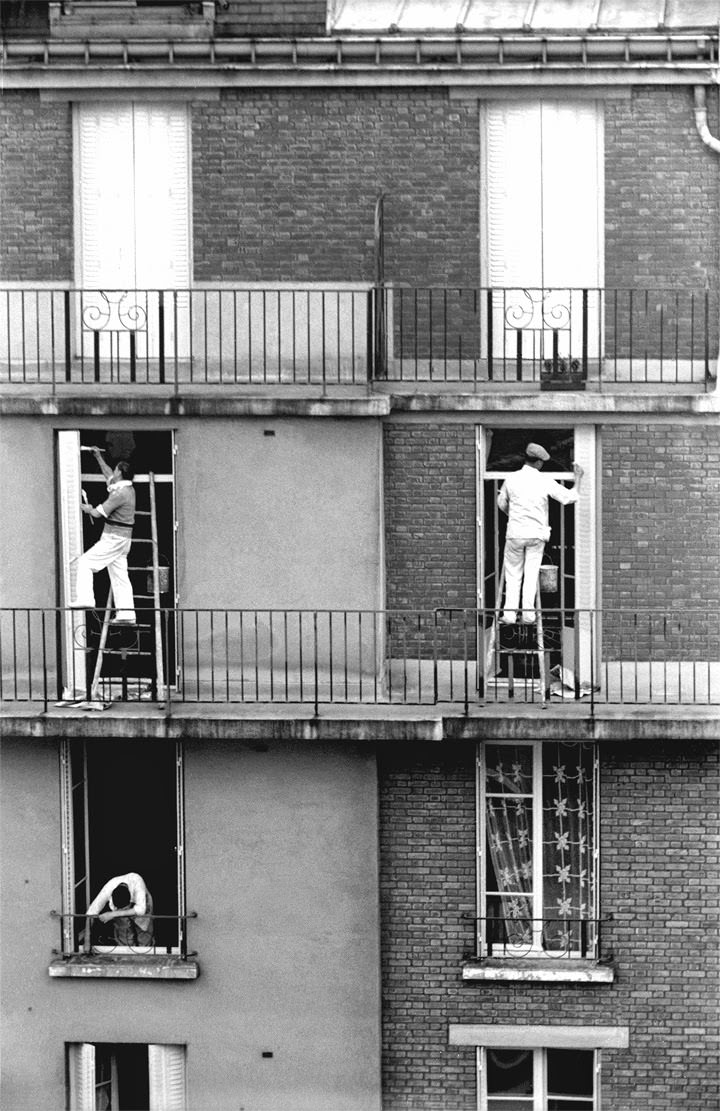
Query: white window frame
point(76, 888)
point(540, 1095)
point(167, 1066)
point(535, 949)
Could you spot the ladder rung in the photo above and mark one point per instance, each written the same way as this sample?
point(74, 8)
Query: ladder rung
point(120, 651)
point(142, 513)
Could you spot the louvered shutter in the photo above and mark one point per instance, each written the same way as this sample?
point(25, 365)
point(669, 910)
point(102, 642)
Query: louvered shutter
point(586, 547)
point(162, 222)
point(81, 1074)
point(513, 164)
point(71, 546)
point(167, 1077)
point(543, 186)
point(105, 182)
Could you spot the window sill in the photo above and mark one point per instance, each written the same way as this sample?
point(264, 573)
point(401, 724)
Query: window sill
point(123, 967)
point(546, 970)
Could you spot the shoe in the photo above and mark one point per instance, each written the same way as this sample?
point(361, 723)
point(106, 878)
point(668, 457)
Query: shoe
point(527, 621)
point(81, 606)
point(507, 621)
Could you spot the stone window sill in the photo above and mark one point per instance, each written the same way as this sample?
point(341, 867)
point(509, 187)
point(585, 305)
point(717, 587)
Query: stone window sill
point(123, 967)
point(546, 970)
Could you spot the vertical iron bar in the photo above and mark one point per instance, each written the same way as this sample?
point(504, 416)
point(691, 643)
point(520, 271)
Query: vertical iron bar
point(584, 333)
point(161, 336)
point(490, 367)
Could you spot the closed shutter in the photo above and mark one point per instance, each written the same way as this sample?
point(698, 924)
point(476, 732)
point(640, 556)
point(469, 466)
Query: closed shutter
point(543, 184)
point(71, 546)
point(134, 220)
point(167, 1077)
point(106, 196)
point(81, 1076)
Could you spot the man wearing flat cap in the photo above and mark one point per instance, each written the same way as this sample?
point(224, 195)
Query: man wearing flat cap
point(524, 497)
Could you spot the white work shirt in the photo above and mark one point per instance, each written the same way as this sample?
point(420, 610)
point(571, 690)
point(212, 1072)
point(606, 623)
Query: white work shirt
point(141, 899)
point(524, 497)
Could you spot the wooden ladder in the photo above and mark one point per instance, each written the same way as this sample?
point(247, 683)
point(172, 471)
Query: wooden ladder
point(494, 649)
point(103, 651)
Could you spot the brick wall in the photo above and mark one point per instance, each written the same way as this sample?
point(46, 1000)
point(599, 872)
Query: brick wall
point(661, 192)
point(430, 515)
point(268, 17)
point(661, 528)
point(659, 835)
point(661, 220)
point(36, 193)
point(285, 185)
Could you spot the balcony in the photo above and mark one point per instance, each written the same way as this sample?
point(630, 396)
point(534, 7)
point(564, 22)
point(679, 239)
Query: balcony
point(88, 952)
point(250, 338)
point(578, 662)
point(540, 950)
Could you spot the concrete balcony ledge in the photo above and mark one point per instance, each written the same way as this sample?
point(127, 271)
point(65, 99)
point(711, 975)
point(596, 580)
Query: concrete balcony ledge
point(105, 966)
point(544, 970)
point(358, 724)
point(147, 401)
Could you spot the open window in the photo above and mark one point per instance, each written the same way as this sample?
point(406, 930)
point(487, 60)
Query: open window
point(105, 1076)
point(537, 1080)
point(537, 849)
point(152, 455)
point(568, 596)
point(122, 812)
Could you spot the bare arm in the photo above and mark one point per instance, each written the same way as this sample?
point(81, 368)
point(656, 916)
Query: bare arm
point(106, 470)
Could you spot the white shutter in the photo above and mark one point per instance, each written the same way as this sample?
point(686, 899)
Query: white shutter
point(513, 164)
point(162, 228)
point(71, 546)
point(571, 191)
point(544, 188)
point(167, 1077)
point(81, 1074)
point(106, 196)
point(586, 548)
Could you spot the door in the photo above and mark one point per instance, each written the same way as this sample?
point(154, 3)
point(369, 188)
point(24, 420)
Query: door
point(133, 220)
point(542, 232)
point(150, 452)
point(570, 622)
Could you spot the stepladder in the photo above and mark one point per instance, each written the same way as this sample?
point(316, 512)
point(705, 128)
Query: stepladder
point(129, 659)
point(515, 651)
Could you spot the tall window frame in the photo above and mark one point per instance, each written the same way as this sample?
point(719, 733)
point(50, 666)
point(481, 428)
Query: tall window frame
point(512, 912)
point(80, 885)
point(541, 1070)
point(94, 1075)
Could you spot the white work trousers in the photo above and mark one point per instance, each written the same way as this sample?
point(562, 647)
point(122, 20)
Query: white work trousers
point(522, 564)
point(111, 551)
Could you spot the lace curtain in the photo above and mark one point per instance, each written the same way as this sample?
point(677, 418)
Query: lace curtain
point(567, 896)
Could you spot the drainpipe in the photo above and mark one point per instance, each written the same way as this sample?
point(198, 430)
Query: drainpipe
point(701, 120)
point(701, 124)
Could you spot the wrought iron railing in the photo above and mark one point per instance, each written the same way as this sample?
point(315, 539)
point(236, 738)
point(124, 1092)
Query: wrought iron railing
point(543, 338)
point(406, 657)
point(87, 935)
point(568, 937)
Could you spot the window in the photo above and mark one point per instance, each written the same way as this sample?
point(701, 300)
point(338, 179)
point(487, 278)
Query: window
point(537, 849)
point(122, 806)
point(152, 454)
point(569, 603)
point(125, 1077)
point(537, 1080)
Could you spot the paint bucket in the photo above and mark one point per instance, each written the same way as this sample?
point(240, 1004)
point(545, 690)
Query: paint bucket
point(548, 578)
point(163, 577)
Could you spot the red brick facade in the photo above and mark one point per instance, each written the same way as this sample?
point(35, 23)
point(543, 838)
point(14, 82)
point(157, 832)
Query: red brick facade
point(659, 826)
point(36, 189)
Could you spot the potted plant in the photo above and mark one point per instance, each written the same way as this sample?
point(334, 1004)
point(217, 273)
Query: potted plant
point(560, 373)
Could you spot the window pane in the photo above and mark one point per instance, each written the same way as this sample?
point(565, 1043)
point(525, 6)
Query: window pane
point(509, 769)
point(570, 1073)
point(570, 1104)
point(504, 1104)
point(568, 816)
point(509, 1072)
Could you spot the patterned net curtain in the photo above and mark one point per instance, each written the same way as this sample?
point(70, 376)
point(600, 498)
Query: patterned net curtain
point(555, 917)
